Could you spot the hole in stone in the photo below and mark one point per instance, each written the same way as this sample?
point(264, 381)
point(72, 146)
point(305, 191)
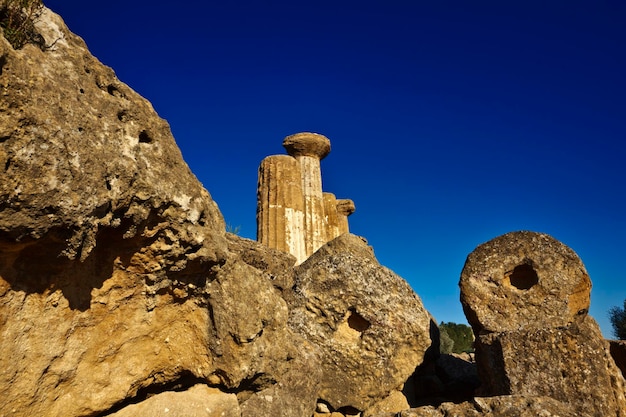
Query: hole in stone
point(80, 129)
point(108, 184)
point(112, 90)
point(3, 61)
point(4, 138)
point(82, 91)
point(144, 137)
point(357, 322)
point(524, 277)
point(122, 116)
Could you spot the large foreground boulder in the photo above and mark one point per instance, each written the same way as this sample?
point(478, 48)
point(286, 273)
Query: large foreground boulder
point(369, 324)
point(115, 276)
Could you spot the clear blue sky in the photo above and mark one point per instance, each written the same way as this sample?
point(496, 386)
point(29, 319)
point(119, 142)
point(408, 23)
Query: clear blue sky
point(451, 122)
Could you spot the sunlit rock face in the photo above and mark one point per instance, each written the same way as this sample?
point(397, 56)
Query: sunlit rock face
point(370, 326)
point(120, 291)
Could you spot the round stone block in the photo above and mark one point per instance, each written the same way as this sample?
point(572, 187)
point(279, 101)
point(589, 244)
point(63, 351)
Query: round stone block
point(523, 281)
point(307, 144)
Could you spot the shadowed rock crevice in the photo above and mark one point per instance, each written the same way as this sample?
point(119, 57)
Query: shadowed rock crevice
point(182, 382)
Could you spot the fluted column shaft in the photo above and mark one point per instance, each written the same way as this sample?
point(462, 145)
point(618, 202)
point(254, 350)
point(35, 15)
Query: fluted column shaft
point(280, 206)
point(309, 149)
point(344, 209)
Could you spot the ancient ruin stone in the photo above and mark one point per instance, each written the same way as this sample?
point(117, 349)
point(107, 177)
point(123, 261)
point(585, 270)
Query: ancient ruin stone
point(115, 276)
point(307, 144)
point(572, 365)
point(277, 264)
point(293, 214)
point(296, 391)
point(526, 296)
point(370, 325)
point(280, 207)
point(523, 281)
point(309, 149)
point(344, 209)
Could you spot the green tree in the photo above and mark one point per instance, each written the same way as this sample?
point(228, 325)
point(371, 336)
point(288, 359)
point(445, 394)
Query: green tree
point(446, 344)
point(461, 335)
point(617, 315)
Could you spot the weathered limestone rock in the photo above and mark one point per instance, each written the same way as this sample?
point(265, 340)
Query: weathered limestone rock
point(500, 406)
point(523, 281)
point(115, 276)
point(293, 214)
point(277, 264)
point(344, 209)
point(331, 217)
point(526, 296)
point(296, 391)
point(371, 327)
point(281, 206)
point(572, 365)
point(81, 152)
point(309, 149)
point(394, 403)
point(197, 401)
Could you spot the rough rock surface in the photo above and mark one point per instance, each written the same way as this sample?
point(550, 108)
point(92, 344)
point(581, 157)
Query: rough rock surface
point(523, 281)
point(572, 365)
point(197, 401)
point(500, 406)
point(115, 275)
point(82, 152)
point(368, 322)
point(527, 292)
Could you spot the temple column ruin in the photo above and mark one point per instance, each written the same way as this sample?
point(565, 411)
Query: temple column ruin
point(344, 209)
point(309, 149)
point(280, 206)
point(336, 212)
point(293, 214)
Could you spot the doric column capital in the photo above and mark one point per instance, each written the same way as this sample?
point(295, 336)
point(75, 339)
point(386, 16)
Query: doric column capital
point(345, 207)
point(307, 144)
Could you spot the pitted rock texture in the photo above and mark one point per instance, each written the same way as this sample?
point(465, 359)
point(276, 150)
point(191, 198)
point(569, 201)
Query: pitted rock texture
point(572, 365)
point(500, 406)
point(115, 275)
point(524, 281)
point(80, 151)
point(370, 325)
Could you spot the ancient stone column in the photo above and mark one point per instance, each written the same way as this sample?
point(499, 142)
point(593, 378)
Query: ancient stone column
point(331, 216)
point(344, 209)
point(280, 206)
point(526, 296)
point(309, 149)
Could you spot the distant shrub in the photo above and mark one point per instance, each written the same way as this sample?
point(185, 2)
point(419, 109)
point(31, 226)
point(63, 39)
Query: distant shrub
point(17, 20)
point(461, 336)
point(617, 315)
